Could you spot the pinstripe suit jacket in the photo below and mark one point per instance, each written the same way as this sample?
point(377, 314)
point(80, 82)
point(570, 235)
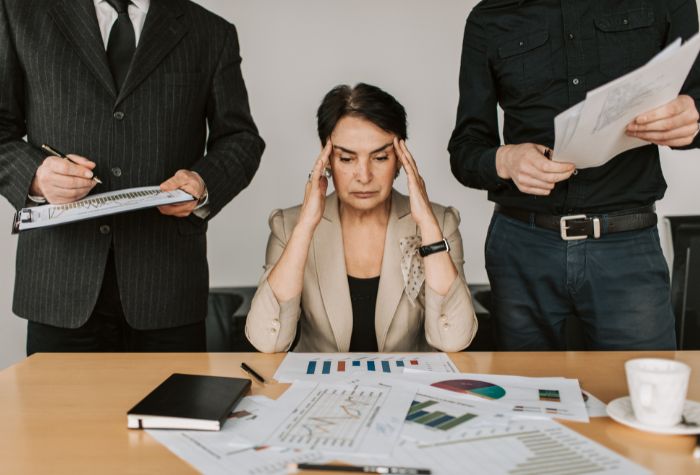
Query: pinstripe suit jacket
point(56, 88)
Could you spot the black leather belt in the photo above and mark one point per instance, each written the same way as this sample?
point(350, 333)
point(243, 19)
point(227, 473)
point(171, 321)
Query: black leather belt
point(582, 226)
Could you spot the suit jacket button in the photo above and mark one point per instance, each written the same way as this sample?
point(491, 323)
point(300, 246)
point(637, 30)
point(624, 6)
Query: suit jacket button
point(119, 115)
point(105, 229)
point(116, 171)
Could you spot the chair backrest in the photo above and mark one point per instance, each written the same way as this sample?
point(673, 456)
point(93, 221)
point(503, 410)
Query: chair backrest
point(685, 279)
point(226, 314)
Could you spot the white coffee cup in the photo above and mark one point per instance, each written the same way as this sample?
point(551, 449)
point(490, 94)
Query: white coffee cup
point(657, 389)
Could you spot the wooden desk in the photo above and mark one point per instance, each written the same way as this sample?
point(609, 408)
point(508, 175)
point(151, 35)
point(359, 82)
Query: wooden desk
point(66, 413)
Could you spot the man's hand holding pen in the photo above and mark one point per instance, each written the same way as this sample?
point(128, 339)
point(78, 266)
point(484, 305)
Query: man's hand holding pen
point(63, 181)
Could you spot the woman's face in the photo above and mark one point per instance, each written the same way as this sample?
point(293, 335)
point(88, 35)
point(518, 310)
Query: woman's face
point(363, 163)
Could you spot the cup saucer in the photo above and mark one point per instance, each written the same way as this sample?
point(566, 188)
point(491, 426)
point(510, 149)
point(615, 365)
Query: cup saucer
point(621, 411)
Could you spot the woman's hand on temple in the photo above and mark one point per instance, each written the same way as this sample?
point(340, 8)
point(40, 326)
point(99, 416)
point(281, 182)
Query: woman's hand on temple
point(421, 210)
point(316, 188)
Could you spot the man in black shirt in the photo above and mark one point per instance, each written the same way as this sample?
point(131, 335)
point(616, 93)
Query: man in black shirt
point(537, 58)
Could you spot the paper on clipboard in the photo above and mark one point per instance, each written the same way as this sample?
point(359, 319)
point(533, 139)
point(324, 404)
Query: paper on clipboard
point(94, 206)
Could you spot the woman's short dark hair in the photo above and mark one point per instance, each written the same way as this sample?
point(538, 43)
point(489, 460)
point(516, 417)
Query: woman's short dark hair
point(365, 101)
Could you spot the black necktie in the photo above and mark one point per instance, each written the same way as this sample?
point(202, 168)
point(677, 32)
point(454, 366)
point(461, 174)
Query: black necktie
point(122, 42)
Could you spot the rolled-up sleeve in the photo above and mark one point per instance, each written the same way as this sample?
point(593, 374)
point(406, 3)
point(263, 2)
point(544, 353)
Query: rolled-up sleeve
point(271, 325)
point(450, 321)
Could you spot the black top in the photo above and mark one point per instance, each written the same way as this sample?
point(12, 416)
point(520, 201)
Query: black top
point(363, 295)
point(536, 59)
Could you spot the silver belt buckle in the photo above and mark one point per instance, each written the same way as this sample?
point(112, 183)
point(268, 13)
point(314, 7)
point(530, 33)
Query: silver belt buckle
point(563, 228)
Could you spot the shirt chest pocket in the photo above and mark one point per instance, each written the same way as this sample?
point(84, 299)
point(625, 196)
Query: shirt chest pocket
point(524, 64)
point(626, 40)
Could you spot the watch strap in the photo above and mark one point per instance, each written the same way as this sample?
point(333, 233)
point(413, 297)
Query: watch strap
point(439, 246)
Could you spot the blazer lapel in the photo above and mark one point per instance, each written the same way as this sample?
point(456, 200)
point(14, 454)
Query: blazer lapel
point(77, 20)
point(391, 284)
point(332, 276)
point(162, 31)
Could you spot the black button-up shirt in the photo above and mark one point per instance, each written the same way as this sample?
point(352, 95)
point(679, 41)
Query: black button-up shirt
point(537, 58)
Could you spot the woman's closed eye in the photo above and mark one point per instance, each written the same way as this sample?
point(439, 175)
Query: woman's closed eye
point(382, 158)
point(345, 159)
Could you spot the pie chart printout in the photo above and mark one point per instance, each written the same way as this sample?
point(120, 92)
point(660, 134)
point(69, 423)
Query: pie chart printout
point(472, 386)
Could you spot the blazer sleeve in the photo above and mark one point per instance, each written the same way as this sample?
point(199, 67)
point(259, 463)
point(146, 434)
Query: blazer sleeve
point(271, 325)
point(234, 147)
point(18, 159)
point(450, 321)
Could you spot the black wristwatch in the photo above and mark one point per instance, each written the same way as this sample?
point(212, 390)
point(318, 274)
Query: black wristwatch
point(433, 248)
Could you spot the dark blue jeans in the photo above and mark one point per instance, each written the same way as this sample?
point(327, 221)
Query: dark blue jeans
point(617, 286)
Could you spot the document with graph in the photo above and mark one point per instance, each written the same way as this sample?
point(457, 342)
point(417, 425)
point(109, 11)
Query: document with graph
point(94, 206)
point(343, 418)
point(334, 366)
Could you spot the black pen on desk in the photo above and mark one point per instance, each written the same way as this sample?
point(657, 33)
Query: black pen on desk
point(292, 468)
point(253, 373)
point(696, 452)
point(53, 151)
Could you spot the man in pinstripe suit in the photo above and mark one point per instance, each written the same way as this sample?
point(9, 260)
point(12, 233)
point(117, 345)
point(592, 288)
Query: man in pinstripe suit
point(128, 88)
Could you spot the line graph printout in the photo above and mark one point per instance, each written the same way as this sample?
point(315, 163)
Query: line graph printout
point(94, 206)
point(343, 418)
point(312, 366)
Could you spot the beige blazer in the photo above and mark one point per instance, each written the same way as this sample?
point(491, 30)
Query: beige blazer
point(324, 311)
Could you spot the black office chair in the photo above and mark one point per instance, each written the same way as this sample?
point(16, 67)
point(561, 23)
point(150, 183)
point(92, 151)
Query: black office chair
point(226, 314)
point(685, 279)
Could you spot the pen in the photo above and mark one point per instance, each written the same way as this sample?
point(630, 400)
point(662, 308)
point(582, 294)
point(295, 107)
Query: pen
point(291, 468)
point(55, 152)
point(696, 452)
point(548, 153)
point(252, 372)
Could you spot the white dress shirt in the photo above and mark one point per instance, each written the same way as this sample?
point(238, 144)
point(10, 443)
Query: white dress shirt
point(107, 15)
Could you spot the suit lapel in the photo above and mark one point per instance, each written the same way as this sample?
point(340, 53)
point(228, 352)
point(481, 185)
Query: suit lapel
point(332, 276)
point(162, 31)
point(391, 282)
point(77, 20)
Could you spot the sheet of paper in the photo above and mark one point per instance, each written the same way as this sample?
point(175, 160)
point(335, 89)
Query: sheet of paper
point(524, 447)
point(94, 206)
point(594, 406)
point(342, 418)
point(517, 395)
point(436, 416)
point(334, 366)
point(591, 133)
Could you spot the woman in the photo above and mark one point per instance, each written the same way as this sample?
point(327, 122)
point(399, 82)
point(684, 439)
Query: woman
point(346, 267)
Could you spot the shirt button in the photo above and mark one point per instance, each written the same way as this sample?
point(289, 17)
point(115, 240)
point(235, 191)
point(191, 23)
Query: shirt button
point(273, 330)
point(522, 43)
point(116, 171)
point(625, 21)
point(575, 81)
point(576, 172)
point(119, 115)
point(571, 36)
point(105, 229)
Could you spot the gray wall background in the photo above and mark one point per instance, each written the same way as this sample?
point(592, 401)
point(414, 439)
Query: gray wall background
point(293, 52)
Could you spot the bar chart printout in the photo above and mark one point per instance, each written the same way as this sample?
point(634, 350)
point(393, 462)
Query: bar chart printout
point(312, 365)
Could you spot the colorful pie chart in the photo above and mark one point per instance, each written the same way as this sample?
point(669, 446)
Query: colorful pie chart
point(472, 386)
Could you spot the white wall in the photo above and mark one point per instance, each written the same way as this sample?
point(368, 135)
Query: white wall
point(293, 52)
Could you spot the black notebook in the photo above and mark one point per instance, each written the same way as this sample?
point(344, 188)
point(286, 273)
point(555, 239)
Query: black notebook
point(188, 401)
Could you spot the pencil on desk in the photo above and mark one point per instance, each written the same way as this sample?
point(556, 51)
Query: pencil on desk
point(294, 467)
point(253, 373)
point(53, 151)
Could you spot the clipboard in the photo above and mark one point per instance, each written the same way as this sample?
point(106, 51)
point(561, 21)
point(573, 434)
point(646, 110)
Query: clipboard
point(95, 206)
